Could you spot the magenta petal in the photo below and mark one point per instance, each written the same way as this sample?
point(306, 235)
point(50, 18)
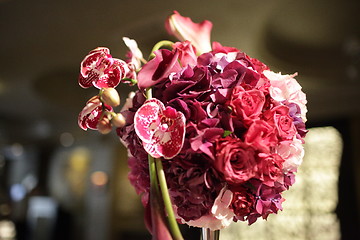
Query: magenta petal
point(89, 117)
point(101, 70)
point(151, 149)
point(112, 74)
point(170, 142)
point(146, 119)
point(158, 68)
point(161, 130)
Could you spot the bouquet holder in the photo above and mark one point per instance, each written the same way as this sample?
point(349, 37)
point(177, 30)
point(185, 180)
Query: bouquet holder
point(207, 234)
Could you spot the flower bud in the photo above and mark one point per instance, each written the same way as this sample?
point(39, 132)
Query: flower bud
point(110, 96)
point(118, 120)
point(104, 126)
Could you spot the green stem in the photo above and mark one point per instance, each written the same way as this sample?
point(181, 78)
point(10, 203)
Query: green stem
point(174, 227)
point(148, 93)
point(152, 172)
point(161, 44)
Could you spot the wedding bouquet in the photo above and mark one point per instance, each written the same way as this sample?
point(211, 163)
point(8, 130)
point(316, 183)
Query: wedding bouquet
point(213, 135)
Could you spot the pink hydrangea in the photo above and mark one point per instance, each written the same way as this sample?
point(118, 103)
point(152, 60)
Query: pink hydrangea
point(286, 88)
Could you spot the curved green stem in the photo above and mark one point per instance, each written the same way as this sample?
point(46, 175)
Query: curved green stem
point(161, 44)
point(174, 227)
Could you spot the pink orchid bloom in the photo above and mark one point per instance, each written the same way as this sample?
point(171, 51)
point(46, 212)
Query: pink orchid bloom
point(162, 130)
point(184, 29)
point(101, 70)
point(135, 53)
point(90, 115)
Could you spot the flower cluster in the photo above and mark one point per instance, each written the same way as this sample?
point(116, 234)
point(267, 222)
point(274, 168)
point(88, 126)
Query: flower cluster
point(228, 130)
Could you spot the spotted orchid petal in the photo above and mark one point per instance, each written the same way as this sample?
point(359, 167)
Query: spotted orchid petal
point(91, 113)
point(184, 29)
point(162, 130)
point(101, 70)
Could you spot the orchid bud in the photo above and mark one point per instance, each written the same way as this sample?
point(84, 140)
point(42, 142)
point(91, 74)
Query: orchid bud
point(118, 120)
point(104, 126)
point(110, 96)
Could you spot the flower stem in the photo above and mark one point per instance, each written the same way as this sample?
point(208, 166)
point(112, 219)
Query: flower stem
point(148, 93)
point(161, 44)
point(174, 227)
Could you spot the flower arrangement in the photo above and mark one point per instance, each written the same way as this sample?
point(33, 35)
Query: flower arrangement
point(213, 135)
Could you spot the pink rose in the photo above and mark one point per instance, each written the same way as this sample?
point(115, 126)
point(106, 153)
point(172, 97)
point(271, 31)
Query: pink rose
point(247, 105)
point(261, 135)
point(270, 168)
point(235, 159)
point(280, 117)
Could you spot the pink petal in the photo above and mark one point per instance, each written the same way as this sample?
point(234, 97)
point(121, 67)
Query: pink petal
point(89, 117)
point(184, 29)
point(99, 69)
point(161, 130)
point(112, 74)
point(146, 119)
point(158, 68)
point(93, 59)
point(170, 142)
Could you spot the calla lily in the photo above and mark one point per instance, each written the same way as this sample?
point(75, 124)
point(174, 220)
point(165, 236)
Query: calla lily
point(184, 29)
point(162, 130)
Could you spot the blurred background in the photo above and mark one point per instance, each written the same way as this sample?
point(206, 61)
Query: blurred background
point(59, 182)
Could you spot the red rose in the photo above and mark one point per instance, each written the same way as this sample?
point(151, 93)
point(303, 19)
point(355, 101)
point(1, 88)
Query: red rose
point(261, 135)
point(235, 159)
point(247, 105)
point(242, 202)
point(270, 168)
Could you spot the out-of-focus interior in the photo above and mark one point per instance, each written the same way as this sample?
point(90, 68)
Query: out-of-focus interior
point(60, 182)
